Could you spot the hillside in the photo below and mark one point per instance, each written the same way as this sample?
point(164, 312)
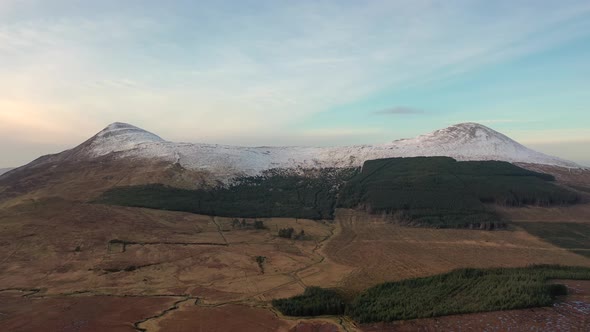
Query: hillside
point(125, 155)
point(466, 141)
point(441, 192)
point(275, 193)
point(424, 191)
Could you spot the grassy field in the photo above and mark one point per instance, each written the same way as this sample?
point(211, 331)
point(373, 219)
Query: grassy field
point(441, 192)
point(383, 252)
point(167, 253)
point(273, 194)
point(574, 236)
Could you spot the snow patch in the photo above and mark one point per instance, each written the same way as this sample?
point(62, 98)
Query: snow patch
point(466, 141)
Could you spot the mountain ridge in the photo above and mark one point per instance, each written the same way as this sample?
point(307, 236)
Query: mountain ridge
point(464, 141)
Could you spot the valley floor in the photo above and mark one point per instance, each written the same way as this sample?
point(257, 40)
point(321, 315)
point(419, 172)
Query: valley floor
point(76, 266)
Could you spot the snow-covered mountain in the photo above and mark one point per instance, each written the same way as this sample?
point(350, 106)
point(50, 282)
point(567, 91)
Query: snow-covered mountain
point(465, 141)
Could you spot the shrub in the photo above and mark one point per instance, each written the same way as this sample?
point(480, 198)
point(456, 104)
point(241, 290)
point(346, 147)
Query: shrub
point(286, 233)
point(259, 224)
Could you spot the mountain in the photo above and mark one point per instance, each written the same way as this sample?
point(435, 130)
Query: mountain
point(465, 141)
point(4, 170)
point(125, 155)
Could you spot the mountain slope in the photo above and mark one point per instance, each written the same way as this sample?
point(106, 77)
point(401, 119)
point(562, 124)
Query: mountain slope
point(467, 141)
point(122, 154)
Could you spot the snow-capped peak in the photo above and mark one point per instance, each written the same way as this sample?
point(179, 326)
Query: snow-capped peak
point(465, 141)
point(466, 132)
point(119, 136)
point(473, 141)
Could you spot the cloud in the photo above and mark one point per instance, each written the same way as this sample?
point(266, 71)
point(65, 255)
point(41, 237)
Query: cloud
point(496, 121)
point(212, 73)
point(400, 110)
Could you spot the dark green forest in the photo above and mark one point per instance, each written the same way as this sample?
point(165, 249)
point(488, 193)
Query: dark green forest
point(425, 191)
point(456, 292)
point(275, 193)
point(463, 291)
point(315, 301)
point(442, 192)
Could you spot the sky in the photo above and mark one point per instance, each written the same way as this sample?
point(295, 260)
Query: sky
point(293, 72)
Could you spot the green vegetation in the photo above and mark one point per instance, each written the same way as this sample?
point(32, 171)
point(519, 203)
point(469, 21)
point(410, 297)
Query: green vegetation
point(257, 224)
point(260, 260)
point(315, 301)
point(442, 192)
point(276, 193)
point(286, 233)
point(460, 291)
point(425, 191)
point(568, 235)
point(289, 233)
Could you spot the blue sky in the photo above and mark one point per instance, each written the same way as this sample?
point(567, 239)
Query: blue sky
point(293, 72)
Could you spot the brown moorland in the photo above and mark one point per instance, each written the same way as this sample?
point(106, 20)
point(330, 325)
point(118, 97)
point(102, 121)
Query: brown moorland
point(381, 251)
point(114, 268)
point(82, 313)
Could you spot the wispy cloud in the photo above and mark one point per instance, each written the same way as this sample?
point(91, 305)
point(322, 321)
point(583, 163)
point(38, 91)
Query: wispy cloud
point(271, 67)
point(496, 121)
point(400, 110)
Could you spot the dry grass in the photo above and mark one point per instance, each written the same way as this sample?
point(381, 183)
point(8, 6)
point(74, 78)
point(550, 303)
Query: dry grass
point(63, 247)
point(86, 180)
point(574, 213)
point(387, 252)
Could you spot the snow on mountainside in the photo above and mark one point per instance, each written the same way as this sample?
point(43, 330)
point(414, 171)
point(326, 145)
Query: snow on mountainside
point(4, 170)
point(120, 137)
point(466, 141)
